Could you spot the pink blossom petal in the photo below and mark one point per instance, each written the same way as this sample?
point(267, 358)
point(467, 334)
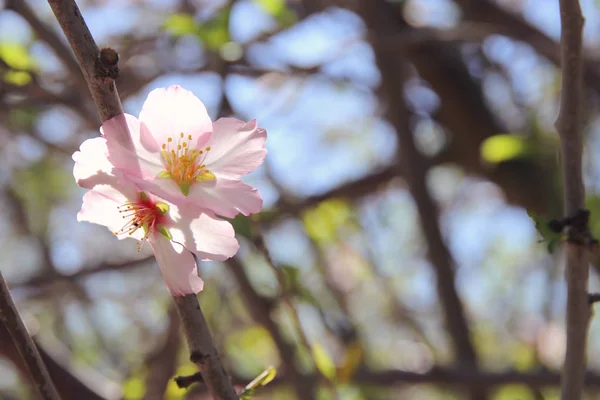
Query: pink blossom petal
point(225, 197)
point(91, 165)
point(237, 148)
point(125, 149)
point(209, 237)
point(177, 265)
point(100, 206)
point(170, 112)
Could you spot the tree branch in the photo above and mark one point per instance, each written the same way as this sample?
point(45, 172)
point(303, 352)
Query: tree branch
point(29, 352)
point(94, 67)
point(394, 73)
point(568, 125)
point(202, 349)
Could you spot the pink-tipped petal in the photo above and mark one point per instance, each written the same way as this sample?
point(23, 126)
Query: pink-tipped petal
point(172, 111)
point(226, 197)
point(100, 206)
point(91, 165)
point(209, 237)
point(177, 265)
point(125, 149)
point(237, 148)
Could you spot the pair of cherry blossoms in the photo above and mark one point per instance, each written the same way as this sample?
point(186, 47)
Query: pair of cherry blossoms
point(167, 178)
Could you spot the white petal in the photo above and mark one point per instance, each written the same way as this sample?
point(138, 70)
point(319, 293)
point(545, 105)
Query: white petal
point(177, 265)
point(172, 111)
point(237, 148)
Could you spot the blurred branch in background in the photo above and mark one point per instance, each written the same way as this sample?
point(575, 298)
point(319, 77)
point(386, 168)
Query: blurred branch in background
point(404, 148)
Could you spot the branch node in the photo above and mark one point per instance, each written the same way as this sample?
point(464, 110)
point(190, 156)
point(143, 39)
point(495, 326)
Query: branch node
point(593, 298)
point(107, 64)
point(185, 381)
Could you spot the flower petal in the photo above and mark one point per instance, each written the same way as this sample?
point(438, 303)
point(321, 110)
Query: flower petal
point(225, 197)
point(100, 206)
point(125, 149)
point(209, 237)
point(237, 148)
point(91, 165)
point(177, 265)
point(172, 111)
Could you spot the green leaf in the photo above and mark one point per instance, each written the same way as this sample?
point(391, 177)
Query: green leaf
point(323, 362)
point(324, 221)
point(215, 33)
point(499, 148)
point(242, 225)
point(261, 380)
point(18, 78)
point(291, 276)
point(134, 388)
point(16, 56)
point(181, 24)
point(273, 7)
point(542, 225)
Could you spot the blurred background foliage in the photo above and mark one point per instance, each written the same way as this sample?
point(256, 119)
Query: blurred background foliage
point(395, 257)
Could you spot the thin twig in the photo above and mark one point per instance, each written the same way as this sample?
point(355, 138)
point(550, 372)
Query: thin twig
point(11, 319)
point(101, 85)
point(202, 349)
point(568, 125)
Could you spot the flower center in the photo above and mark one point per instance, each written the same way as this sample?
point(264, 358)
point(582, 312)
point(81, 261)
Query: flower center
point(143, 214)
point(183, 163)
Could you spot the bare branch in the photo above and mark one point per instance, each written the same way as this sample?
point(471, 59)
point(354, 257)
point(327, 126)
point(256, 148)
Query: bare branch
point(101, 85)
point(568, 125)
point(394, 73)
point(11, 319)
point(202, 349)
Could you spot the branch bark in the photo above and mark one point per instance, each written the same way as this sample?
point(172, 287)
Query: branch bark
point(101, 85)
point(29, 352)
point(202, 349)
point(568, 125)
point(100, 69)
point(394, 73)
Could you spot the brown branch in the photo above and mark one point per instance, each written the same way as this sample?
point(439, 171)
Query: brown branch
point(100, 69)
point(47, 35)
point(101, 84)
point(44, 280)
point(11, 319)
point(394, 73)
point(162, 362)
point(260, 308)
point(202, 349)
point(568, 125)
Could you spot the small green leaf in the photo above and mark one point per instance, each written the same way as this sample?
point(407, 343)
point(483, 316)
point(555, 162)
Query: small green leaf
point(16, 56)
point(164, 175)
point(542, 225)
point(181, 24)
point(499, 148)
point(242, 225)
point(18, 78)
point(323, 362)
point(261, 380)
point(273, 7)
point(165, 232)
point(185, 188)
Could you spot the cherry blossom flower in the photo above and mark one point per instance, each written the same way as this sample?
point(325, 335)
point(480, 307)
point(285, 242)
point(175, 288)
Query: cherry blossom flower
point(173, 232)
point(174, 151)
